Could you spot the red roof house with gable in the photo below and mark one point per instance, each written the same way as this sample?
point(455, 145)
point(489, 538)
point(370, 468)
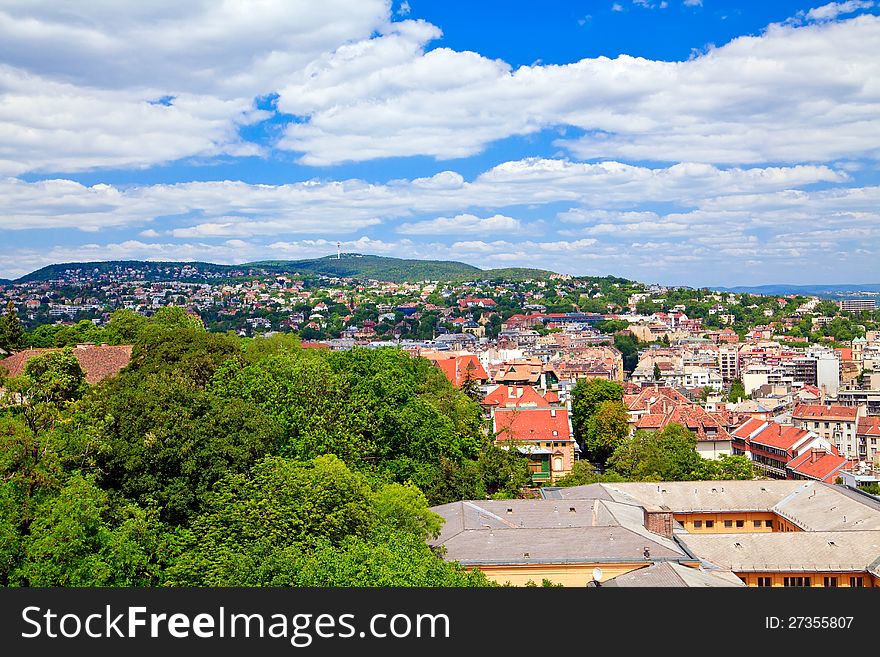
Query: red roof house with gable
point(460, 369)
point(541, 434)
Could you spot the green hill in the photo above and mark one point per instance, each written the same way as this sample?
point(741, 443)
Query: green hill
point(349, 265)
point(356, 265)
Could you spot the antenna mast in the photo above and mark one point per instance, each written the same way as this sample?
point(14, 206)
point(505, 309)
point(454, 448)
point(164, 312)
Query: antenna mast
point(338, 250)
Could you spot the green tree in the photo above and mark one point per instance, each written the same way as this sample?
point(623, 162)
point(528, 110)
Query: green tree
point(657, 373)
point(12, 334)
point(586, 397)
point(667, 455)
point(606, 429)
point(124, 327)
point(79, 539)
point(49, 383)
point(737, 391)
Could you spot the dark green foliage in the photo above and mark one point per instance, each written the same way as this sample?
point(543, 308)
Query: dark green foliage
point(78, 538)
point(606, 429)
point(376, 408)
point(666, 455)
point(586, 397)
point(167, 441)
point(12, 335)
point(313, 523)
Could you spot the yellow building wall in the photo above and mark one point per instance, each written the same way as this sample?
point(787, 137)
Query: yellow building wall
point(565, 574)
point(816, 579)
point(747, 518)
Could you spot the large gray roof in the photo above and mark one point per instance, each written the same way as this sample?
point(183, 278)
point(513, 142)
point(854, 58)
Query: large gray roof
point(671, 574)
point(788, 551)
point(549, 531)
point(812, 505)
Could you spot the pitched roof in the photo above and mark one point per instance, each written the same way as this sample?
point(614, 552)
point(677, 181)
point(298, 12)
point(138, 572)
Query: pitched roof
point(484, 532)
point(647, 396)
point(818, 411)
point(780, 436)
point(819, 464)
point(97, 361)
point(787, 551)
point(531, 424)
point(459, 369)
point(869, 426)
point(507, 396)
point(812, 505)
point(669, 574)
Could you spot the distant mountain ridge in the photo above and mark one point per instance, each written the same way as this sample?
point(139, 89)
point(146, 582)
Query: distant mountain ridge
point(347, 265)
point(837, 290)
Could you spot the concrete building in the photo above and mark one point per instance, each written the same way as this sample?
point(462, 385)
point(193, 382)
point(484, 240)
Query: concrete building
point(837, 424)
point(858, 305)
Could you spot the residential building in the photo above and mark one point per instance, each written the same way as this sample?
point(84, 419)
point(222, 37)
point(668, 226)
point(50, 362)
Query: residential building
point(543, 435)
point(835, 423)
point(868, 436)
point(771, 446)
point(858, 305)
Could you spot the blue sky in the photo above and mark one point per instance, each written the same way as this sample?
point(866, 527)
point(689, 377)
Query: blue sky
point(676, 141)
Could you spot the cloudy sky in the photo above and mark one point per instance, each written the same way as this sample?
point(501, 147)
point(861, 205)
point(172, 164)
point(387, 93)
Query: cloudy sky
point(700, 142)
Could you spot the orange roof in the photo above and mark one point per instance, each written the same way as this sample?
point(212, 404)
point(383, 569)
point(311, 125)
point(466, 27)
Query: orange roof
point(845, 353)
point(645, 398)
point(97, 361)
point(780, 436)
point(818, 464)
point(818, 411)
point(459, 369)
point(869, 426)
point(745, 430)
point(544, 424)
point(507, 396)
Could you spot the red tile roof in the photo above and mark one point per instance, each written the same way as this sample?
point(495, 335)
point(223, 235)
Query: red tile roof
point(780, 436)
point(869, 426)
point(97, 361)
point(818, 411)
point(745, 430)
point(459, 369)
point(818, 464)
point(507, 396)
point(532, 424)
point(648, 396)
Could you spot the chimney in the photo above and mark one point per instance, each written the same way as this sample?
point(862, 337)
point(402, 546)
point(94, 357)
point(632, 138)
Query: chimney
point(659, 520)
point(816, 454)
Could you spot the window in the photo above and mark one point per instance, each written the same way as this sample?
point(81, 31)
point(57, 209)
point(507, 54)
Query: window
point(728, 523)
point(756, 524)
point(815, 425)
point(856, 581)
point(698, 524)
point(765, 581)
point(796, 581)
point(740, 523)
point(830, 582)
point(768, 523)
point(710, 524)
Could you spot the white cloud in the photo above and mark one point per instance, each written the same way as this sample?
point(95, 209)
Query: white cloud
point(616, 7)
point(404, 9)
point(791, 94)
point(462, 224)
point(238, 209)
point(79, 85)
point(693, 3)
point(832, 10)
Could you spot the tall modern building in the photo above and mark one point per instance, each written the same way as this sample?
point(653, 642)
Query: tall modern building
point(857, 305)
